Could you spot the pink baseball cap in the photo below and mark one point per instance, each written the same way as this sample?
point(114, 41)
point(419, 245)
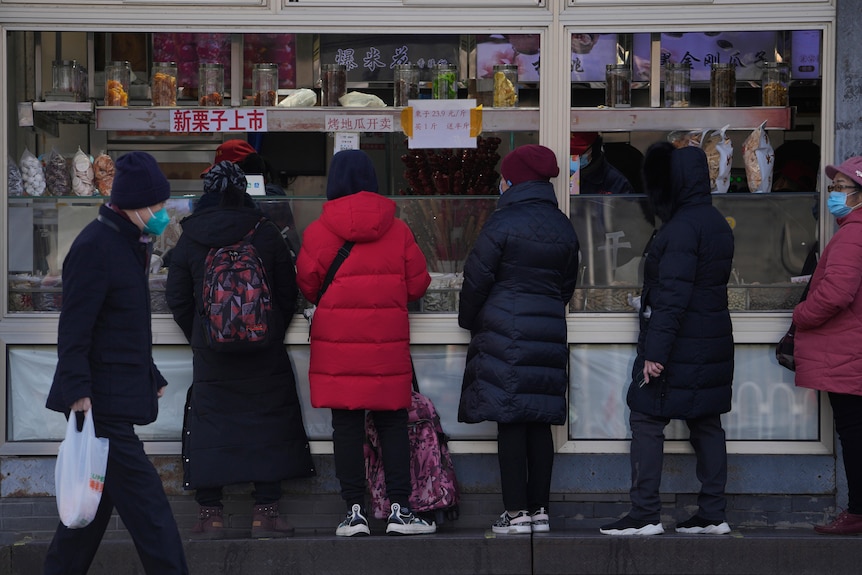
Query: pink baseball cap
point(852, 168)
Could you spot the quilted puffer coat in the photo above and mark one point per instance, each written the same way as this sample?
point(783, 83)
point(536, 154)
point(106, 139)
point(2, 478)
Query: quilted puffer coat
point(829, 321)
point(684, 321)
point(360, 335)
point(518, 280)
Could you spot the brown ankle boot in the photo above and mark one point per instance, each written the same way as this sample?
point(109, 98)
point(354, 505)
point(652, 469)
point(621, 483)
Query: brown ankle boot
point(210, 524)
point(266, 523)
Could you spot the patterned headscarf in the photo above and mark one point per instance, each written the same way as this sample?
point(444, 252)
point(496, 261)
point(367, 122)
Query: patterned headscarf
point(224, 176)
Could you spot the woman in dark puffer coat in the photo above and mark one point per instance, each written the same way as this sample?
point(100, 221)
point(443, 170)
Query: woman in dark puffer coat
point(518, 280)
point(684, 365)
point(243, 417)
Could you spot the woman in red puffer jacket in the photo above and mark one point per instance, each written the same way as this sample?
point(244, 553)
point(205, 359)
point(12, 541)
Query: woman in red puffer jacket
point(360, 336)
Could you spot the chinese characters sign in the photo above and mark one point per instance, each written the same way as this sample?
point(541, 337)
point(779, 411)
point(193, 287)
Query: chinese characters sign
point(357, 123)
point(441, 124)
point(198, 120)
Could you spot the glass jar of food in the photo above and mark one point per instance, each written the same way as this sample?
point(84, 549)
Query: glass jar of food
point(775, 79)
point(211, 84)
point(117, 77)
point(64, 76)
point(505, 86)
point(618, 85)
point(264, 84)
point(163, 84)
point(445, 83)
point(406, 84)
point(333, 83)
point(677, 85)
point(722, 85)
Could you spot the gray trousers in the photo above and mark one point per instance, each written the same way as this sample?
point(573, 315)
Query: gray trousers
point(706, 437)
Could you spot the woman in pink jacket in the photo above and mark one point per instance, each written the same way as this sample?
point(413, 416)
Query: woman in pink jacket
point(829, 328)
point(360, 336)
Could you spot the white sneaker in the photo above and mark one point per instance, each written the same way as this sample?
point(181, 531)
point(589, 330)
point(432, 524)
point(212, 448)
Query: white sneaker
point(540, 522)
point(403, 522)
point(507, 525)
point(354, 524)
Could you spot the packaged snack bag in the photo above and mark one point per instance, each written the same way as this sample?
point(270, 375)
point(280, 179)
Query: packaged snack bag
point(759, 159)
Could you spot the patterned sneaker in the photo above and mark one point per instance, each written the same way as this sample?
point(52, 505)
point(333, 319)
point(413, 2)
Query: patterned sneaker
point(540, 522)
point(845, 524)
point(508, 525)
point(354, 524)
point(403, 522)
point(698, 524)
point(630, 526)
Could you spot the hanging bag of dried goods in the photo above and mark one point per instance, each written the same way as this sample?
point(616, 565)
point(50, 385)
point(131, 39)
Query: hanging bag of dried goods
point(103, 174)
point(719, 155)
point(82, 174)
point(758, 155)
point(58, 179)
point(13, 178)
point(32, 174)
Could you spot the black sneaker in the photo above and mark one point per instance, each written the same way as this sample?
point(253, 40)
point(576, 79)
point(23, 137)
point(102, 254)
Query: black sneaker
point(508, 525)
point(403, 522)
point(698, 524)
point(354, 524)
point(630, 526)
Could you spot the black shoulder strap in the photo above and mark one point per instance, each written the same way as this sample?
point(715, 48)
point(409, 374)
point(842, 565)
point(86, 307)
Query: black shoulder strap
point(342, 254)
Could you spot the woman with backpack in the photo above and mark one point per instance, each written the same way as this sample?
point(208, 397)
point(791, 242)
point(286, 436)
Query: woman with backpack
point(243, 420)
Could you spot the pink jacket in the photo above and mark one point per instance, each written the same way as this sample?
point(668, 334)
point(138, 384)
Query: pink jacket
point(828, 347)
point(360, 335)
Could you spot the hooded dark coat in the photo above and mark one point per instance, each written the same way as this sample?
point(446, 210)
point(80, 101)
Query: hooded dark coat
point(518, 280)
point(243, 416)
point(684, 321)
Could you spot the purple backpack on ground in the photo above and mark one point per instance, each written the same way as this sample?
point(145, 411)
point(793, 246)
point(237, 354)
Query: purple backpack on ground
point(432, 474)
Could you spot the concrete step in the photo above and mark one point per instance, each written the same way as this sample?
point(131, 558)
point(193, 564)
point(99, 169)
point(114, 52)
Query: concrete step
point(454, 551)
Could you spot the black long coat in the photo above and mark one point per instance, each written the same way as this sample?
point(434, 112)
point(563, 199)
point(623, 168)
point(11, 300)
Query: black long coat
point(684, 320)
point(243, 416)
point(518, 280)
point(104, 339)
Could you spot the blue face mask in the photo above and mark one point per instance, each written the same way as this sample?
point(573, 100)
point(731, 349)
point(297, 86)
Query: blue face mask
point(837, 204)
point(158, 222)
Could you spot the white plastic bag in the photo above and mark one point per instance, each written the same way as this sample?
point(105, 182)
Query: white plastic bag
point(79, 475)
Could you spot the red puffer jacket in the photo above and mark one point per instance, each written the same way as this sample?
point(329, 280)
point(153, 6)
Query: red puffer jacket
point(829, 321)
point(360, 336)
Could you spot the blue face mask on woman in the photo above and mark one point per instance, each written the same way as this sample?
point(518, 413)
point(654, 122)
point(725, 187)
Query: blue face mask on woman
point(158, 222)
point(837, 204)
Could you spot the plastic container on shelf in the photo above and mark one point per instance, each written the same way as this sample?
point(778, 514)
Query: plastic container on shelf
point(264, 84)
point(445, 83)
point(618, 86)
point(117, 79)
point(163, 84)
point(406, 84)
point(677, 85)
point(211, 84)
point(722, 85)
point(333, 83)
point(775, 80)
point(505, 86)
point(64, 76)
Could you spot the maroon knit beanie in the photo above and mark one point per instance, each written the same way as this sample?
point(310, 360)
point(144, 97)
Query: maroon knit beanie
point(530, 162)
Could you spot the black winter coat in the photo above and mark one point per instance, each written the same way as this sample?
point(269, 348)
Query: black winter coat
point(243, 417)
point(518, 280)
point(684, 321)
point(104, 337)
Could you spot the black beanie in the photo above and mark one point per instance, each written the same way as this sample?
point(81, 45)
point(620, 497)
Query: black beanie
point(350, 172)
point(138, 182)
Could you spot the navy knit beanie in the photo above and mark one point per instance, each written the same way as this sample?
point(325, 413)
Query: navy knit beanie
point(350, 172)
point(138, 182)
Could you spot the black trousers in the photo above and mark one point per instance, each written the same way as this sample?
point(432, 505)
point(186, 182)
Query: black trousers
point(348, 441)
point(647, 454)
point(526, 455)
point(133, 486)
point(847, 410)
